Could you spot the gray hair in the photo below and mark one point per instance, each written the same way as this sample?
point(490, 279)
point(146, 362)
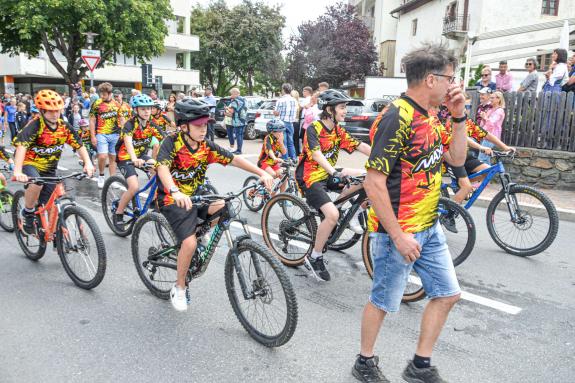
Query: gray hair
point(533, 60)
point(235, 91)
point(287, 88)
point(430, 58)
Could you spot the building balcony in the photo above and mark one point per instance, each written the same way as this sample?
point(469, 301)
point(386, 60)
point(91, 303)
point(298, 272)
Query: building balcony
point(182, 42)
point(456, 27)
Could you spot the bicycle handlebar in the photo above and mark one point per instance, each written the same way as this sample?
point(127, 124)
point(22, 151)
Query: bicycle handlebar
point(6, 167)
point(203, 199)
point(288, 163)
point(499, 154)
point(351, 180)
point(147, 166)
point(55, 180)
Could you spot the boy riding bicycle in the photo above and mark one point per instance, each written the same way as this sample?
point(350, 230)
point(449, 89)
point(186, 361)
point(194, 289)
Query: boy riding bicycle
point(272, 150)
point(5, 156)
point(316, 174)
point(39, 147)
point(181, 167)
point(132, 148)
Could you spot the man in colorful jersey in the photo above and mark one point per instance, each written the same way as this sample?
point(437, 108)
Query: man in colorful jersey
point(5, 156)
point(105, 123)
point(316, 174)
point(181, 165)
point(132, 148)
point(125, 109)
point(403, 184)
point(38, 149)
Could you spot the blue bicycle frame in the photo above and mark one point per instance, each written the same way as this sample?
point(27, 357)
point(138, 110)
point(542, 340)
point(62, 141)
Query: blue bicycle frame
point(140, 209)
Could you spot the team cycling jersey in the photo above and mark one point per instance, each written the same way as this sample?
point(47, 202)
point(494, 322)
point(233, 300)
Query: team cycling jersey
point(45, 145)
point(329, 142)
point(141, 138)
point(271, 143)
point(4, 155)
point(408, 147)
point(187, 166)
point(163, 122)
point(125, 111)
point(107, 114)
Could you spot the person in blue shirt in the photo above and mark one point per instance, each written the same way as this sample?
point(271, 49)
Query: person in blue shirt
point(211, 101)
point(10, 117)
point(486, 80)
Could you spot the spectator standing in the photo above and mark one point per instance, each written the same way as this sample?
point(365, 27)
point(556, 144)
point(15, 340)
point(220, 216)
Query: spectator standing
point(504, 79)
point(486, 80)
point(304, 102)
point(529, 84)
point(484, 104)
point(211, 101)
point(492, 122)
point(10, 117)
point(93, 95)
point(570, 84)
point(310, 113)
point(22, 117)
point(286, 111)
point(322, 86)
point(557, 75)
point(153, 95)
point(296, 125)
point(170, 107)
point(236, 110)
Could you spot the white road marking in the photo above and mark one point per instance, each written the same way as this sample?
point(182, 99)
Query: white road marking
point(62, 168)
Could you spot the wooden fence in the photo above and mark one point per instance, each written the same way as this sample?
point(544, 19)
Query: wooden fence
point(544, 120)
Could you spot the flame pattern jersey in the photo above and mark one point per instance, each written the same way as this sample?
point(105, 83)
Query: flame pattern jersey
point(125, 110)
point(4, 155)
point(473, 130)
point(107, 114)
point(44, 145)
point(187, 166)
point(329, 142)
point(271, 143)
point(141, 138)
point(163, 122)
point(408, 146)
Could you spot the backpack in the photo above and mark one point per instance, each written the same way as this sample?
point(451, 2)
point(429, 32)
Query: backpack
point(242, 113)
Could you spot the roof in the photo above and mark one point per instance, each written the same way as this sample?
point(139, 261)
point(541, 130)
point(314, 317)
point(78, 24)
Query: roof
point(409, 5)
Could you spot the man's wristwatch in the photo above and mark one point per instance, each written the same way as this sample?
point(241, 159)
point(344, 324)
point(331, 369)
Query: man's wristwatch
point(174, 189)
point(457, 120)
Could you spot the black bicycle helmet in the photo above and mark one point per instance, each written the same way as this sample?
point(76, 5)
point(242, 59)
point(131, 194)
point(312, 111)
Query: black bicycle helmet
point(190, 109)
point(331, 97)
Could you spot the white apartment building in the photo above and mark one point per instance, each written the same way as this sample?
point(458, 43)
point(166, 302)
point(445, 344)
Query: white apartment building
point(26, 75)
point(509, 30)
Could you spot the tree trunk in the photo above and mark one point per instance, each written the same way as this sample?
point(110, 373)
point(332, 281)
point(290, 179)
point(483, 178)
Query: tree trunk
point(250, 82)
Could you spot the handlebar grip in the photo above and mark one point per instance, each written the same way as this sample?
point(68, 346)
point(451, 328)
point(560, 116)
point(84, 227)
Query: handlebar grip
point(196, 199)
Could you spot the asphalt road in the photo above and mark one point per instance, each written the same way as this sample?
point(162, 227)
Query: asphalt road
point(516, 323)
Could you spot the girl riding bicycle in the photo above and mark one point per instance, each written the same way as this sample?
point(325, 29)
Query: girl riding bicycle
point(181, 166)
point(316, 174)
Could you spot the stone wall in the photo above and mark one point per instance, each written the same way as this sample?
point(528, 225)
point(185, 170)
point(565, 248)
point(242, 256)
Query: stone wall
point(543, 168)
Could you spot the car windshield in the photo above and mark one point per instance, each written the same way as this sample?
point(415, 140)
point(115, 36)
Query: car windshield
point(355, 107)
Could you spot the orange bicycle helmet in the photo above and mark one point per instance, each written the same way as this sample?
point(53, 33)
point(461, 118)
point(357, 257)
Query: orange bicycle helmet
point(47, 99)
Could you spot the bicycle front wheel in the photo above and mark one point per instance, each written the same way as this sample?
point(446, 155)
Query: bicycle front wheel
point(112, 191)
point(81, 248)
point(155, 254)
point(253, 198)
point(459, 229)
point(288, 228)
point(261, 294)
point(524, 222)
point(6, 222)
point(413, 290)
point(33, 245)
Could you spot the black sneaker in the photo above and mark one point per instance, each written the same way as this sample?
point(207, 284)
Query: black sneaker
point(317, 267)
point(448, 222)
point(368, 372)
point(29, 222)
point(412, 374)
point(118, 221)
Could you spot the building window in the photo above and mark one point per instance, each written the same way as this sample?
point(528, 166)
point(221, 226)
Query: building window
point(413, 27)
point(179, 60)
point(180, 22)
point(544, 62)
point(550, 7)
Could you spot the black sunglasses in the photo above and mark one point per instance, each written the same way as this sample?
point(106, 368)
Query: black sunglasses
point(484, 75)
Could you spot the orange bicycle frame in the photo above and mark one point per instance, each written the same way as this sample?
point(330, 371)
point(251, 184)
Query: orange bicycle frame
point(49, 221)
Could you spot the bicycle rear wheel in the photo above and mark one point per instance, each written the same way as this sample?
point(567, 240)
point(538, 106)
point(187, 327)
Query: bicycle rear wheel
point(267, 308)
point(459, 229)
point(81, 248)
point(155, 254)
point(6, 222)
point(33, 245)
point(253, 198)
point(112, 191)
point(524, 225)
point(413, 290)
point(291, 236)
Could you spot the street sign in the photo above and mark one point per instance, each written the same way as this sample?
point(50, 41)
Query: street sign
point(91, 58)
point(147, 79)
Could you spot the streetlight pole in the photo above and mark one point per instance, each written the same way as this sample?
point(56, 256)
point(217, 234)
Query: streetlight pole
point(90, 40)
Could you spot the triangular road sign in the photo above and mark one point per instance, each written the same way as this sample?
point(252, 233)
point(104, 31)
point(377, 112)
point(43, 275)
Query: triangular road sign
point(91, 62)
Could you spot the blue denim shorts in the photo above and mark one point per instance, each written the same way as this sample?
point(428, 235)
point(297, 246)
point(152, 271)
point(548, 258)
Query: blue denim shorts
point(390, 272)
point(107, 143)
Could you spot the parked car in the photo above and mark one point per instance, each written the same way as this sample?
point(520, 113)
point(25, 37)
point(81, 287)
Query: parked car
point(360, 116)
point(252, 102)
point(263, 115)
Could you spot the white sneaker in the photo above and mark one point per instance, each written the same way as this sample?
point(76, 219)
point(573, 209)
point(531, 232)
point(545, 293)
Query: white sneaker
point(178, 298)
point(101, 180)
point(355, 225)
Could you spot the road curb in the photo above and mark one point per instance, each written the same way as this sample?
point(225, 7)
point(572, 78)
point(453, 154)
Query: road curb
point(564, 214)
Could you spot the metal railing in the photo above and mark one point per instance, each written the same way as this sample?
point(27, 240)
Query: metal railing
point(455, 24)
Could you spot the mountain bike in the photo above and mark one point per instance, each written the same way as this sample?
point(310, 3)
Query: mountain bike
point(256, 198)
point(460, 232)
point(71, 229)
point(143, 200)
point(257, 285)
point(6, 198)
point(520, 219)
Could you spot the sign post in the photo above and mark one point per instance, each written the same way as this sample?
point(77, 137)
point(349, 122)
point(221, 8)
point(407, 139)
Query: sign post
point(147, 78)
point(91, 58)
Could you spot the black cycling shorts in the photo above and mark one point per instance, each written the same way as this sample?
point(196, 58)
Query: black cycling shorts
point(470, 165)
point(182, 221)
point(317, 194)
point(47, 189)
point(128, 169)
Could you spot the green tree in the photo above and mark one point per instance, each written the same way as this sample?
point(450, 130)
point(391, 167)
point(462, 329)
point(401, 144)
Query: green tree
point(237, 44)
point(56, 26)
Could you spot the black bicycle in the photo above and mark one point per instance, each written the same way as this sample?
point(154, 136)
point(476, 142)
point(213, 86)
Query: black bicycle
point(256, 198)
point(257, 285)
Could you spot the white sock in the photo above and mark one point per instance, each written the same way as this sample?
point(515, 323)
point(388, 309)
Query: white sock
point(315, 254)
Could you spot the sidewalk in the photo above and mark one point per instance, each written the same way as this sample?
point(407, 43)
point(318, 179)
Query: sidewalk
point(563, 200)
